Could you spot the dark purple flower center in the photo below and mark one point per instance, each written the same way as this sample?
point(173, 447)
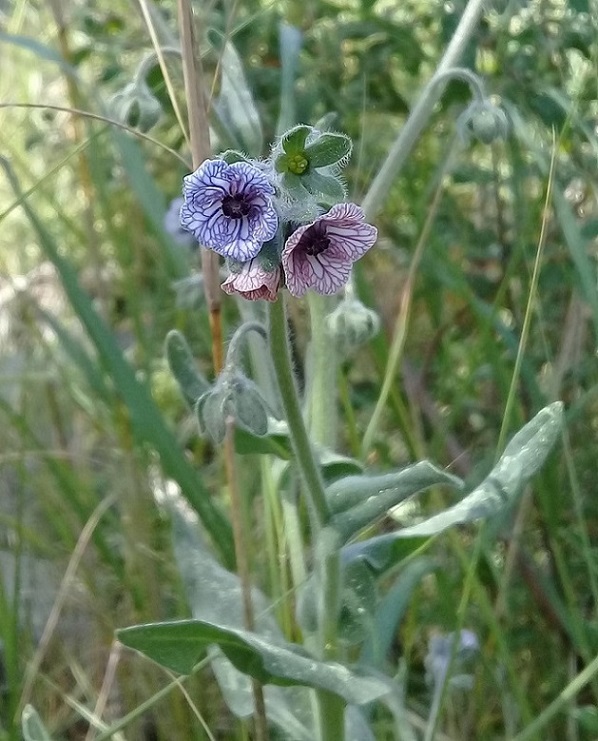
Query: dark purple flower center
point(314, 239)
point(236, 207)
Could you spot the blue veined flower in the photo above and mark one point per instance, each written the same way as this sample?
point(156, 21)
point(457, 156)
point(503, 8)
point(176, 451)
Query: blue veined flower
point(229, 208)
point(320, 255)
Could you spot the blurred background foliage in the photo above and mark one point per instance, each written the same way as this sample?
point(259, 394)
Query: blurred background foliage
point(68, 437)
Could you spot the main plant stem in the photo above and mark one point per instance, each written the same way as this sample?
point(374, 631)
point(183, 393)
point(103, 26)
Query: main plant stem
point(330, 707)
point(304, 456)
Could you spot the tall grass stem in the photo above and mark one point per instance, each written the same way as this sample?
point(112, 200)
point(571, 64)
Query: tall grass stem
point(422, 110)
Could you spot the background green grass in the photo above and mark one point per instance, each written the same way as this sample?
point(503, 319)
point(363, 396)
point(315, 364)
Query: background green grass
point(89, 413)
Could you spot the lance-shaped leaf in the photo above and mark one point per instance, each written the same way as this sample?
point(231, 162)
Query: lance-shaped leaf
point(522, 458)
point(180, 645)
point(390, 610)
point(214, 594)
point(235, 106)
point(360, 500)
point(184, 368)
point(353, 491)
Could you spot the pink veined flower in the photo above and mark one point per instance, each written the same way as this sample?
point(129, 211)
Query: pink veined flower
point(253, 282)
point(320, 255)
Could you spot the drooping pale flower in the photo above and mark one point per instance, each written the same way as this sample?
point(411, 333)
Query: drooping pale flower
point(229, 208)
point(253, 282)
point(320, 255)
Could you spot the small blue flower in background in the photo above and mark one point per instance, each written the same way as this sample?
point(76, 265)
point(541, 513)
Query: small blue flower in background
point(438, 658)
point(229, 208)
point(172, 225)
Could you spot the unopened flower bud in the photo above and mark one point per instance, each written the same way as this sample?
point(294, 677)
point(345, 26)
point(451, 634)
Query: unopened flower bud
point(234, 395)
point(484, 121)
point(352, 324)
point(136, 106)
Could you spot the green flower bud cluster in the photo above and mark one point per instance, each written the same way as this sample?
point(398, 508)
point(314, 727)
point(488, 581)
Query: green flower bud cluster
point(233, 395)
point(136, 106)
point(352, 324)
point(309, 162)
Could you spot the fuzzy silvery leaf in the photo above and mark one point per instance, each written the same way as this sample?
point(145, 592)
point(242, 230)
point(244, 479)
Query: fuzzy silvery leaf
point(214, 594)
point(235, 105)
point(390, 488)
point(181, 644)
point(522, 458)
point(184, 368)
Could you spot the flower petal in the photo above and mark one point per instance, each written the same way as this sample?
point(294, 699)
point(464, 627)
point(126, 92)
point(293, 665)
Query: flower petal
point(328, 270)
point(203, 212)
point(253, 282)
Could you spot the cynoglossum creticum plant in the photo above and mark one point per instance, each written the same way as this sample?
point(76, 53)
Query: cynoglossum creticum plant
point(283, 225)
point(239, 209)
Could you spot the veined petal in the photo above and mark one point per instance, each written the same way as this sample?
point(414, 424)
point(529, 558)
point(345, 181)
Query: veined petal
point(253, 282)
point(229, 209)
point(320, 255)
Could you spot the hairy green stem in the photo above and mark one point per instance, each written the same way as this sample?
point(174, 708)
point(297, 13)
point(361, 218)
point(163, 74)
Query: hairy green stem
point(331, 709)
point(236, 343)
point(421, 112)
point(281, 359)
point(150, 61)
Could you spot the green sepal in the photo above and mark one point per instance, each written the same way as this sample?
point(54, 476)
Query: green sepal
point(269, 256)
point(210, 411)
point(328, 149)
point(293, 142)
point(328, 186)
point(293, 185)
point(136, 106)
point(251, 408)
point(230, 156)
